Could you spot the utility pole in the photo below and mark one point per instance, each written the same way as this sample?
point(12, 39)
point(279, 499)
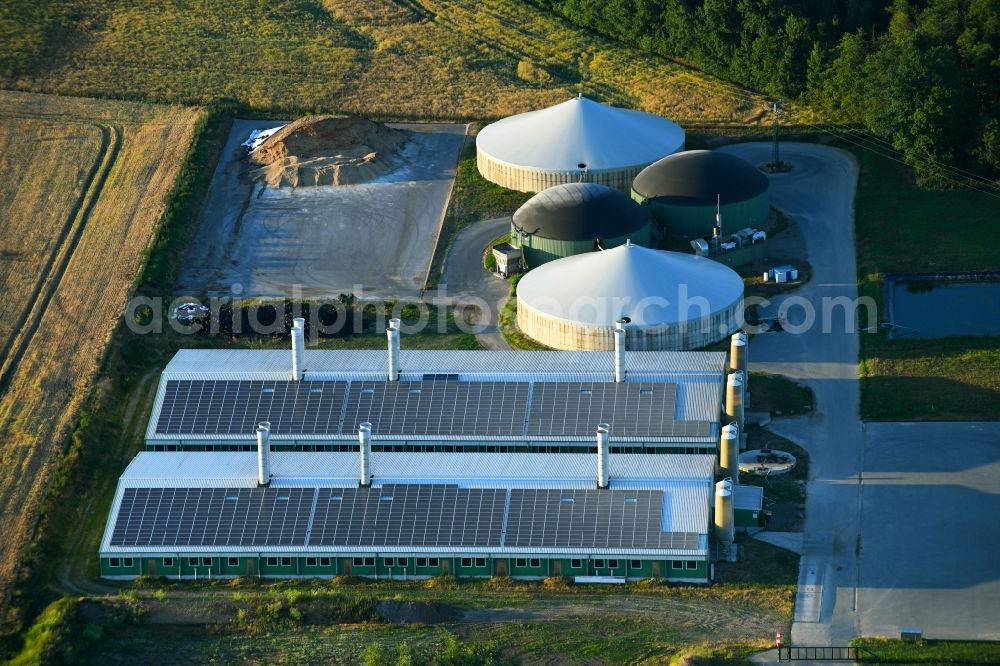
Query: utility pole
point(775, 159)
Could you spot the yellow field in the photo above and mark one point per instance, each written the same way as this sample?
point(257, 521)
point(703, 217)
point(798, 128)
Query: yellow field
point(83, 190)
point(469, 59)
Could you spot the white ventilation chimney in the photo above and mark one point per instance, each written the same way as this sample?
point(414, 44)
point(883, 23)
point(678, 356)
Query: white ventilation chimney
point(603, 431)
point(620, 350)
point(298, 345)
point(263, 453)
point(734, 399)
point(365, 442)
point(725, 529)
point(729, 445)
point(738, 352)
point(393, 334)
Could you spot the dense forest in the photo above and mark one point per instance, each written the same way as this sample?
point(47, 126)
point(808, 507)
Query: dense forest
point(923, 75)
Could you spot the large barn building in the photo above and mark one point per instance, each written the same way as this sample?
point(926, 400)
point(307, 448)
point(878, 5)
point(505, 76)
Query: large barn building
point(410, 464)
point(683, 190)
point(663, 300)
point(574, 218)
point(578, 140)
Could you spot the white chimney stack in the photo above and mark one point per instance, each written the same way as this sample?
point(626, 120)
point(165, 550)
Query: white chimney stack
point(298, 345)
point(602, 455)
point(620, 350)
point(263, 453)
point(393, 334)
point(729, 444)
point(365, 442)
point(738, 351)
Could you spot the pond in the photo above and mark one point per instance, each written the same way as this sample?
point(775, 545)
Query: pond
point(940, 308)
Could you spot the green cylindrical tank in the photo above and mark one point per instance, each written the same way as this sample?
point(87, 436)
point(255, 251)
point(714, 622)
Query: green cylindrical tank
point(681, 191)
point(575, 218)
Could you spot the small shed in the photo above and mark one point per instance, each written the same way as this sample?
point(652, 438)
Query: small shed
point(508, 259)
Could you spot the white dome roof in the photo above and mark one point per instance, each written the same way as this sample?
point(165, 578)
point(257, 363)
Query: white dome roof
point(647, 286)
point(580, 131)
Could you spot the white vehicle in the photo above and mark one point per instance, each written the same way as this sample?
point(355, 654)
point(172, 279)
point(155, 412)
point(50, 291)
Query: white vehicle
point(188, 312)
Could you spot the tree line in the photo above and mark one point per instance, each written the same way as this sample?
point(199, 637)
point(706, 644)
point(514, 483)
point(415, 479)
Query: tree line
point(923, 75)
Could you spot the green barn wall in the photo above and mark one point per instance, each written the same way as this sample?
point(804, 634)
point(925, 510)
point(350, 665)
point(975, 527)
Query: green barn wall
point(538, 250)
point(693, 221)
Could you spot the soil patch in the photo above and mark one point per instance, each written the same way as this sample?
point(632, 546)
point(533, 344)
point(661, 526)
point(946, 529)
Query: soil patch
point(416, 612)
point(327, 150)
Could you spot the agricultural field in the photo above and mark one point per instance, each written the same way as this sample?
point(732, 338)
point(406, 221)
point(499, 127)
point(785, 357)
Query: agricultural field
point(454, 59)
point(86, 187)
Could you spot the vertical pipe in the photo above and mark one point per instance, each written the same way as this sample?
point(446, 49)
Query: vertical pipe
point(298, 343)
point(602, 455)
point(393, 334)
point(729, 444)
point(263, 453)
point(738, 352)
point(620, 350)
point(365, 445)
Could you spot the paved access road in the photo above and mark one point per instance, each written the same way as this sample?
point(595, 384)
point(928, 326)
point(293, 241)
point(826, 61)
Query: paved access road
point(819, 194)
point(901, 518)
point(465, 276)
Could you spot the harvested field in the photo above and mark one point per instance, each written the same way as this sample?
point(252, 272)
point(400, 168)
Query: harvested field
point(92, 177)
point(453, 59)
point(327, 150)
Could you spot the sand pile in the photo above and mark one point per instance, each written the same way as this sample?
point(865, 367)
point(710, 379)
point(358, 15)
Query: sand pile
point(327, 150)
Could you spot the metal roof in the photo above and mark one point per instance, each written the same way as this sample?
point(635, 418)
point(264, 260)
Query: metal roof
point(749, 498)
point(684, 480)
point(580, 134)
point(697, 177)
point(651, 287)
point(580, 211)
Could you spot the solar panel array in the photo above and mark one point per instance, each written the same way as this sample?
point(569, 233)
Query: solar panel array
point(213, 517)
point(403, 515)
point(233, 407)
point(409, 515)
point(632, 409)
point(553, 518)
point(437, 406)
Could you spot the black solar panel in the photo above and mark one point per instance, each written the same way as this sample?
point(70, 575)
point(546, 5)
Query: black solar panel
point(206, 407)
point(438, 407)
point(213, 517)
point(629, 519)
point(408, 515)
point(574, 409)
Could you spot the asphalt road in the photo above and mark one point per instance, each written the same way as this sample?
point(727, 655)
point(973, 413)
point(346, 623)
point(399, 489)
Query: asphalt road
point(464, 277)
point(818, 193)
point(372, 239)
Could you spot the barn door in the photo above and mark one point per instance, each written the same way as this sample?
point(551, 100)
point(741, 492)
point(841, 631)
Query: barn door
point(656, 569)
point(347, 567)
point(557, 568)
point(250, 567)
point(501, 567)
point(445, 567)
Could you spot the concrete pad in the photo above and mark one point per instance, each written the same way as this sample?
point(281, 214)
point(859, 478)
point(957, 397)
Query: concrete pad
point(929, 537)
point(373, 239)
point(788, 540)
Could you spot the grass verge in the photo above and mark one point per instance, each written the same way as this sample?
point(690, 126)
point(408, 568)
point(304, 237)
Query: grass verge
point(508, 323)
point(892, 651)
point(778, 395)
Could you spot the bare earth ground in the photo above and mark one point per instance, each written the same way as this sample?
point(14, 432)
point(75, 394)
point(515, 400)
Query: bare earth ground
point(85, 248)
point(321, 241)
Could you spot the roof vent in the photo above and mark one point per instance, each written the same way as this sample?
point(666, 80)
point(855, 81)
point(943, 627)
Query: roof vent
point(298, 343)
point(263, 453)
point(603, 431)
point(365, 448)
point(393, 335)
